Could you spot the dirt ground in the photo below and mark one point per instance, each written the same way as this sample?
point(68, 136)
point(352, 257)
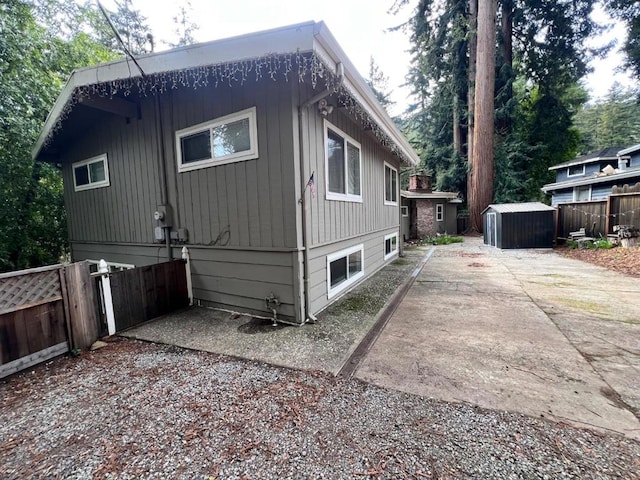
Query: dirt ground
point(623, 260)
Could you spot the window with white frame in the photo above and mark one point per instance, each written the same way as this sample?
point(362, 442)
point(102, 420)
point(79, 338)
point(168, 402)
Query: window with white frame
point(405, 211)
point(232, 138)
point(344, 268)
point(390, 245)
point(439, 212)
point(575, 170)
point(91, 173)
point(582, 194)
point(390, 185)
point(343, 165)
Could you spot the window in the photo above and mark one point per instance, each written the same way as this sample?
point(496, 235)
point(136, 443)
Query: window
point(232, 138)
point(390, 245)
point(344, 268)
point(581, 194)
point(439, 212)
point(91, 173)
point(575, 170)
point(405, 211)
point(390, 185)
point(343, 165)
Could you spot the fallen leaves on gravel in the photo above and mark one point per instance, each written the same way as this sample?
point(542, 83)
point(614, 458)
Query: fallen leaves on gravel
point(138, 410)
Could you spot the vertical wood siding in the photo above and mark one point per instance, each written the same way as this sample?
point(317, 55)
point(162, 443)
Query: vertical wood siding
point(253, 201)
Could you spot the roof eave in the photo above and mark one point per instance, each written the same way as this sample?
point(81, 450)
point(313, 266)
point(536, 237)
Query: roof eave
point(327, 45)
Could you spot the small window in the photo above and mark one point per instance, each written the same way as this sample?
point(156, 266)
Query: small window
point(439, 212)
point(575, 170)
point(91, 173)
point(344, 268)
point(405, 211)
point(390, 185)
point(390, 245)
point(582, 194)
point(232, 138)
point(343, 165)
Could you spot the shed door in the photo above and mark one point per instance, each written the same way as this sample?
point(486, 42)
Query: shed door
point(491, 228)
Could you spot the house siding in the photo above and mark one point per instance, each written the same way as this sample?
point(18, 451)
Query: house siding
point(246, 210)
point(334, 225)
point(373, 261)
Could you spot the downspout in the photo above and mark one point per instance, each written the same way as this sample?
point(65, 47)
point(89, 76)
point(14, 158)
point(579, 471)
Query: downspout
point(308, 316)
point(162, 158)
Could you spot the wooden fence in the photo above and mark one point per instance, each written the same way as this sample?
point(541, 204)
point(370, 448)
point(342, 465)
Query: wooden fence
point(143, 293)
point(598, 217)
point(45, 312)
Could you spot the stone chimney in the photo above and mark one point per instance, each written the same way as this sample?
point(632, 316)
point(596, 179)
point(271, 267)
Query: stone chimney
point(420, 183)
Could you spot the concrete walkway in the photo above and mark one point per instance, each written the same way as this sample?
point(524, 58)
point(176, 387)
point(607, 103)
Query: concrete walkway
point(521, 330)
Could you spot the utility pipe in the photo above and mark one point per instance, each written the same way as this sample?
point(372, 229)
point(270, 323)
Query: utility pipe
point(303, 181)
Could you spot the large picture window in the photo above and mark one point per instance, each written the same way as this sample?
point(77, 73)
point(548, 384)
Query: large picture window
point(91, 173)
point(343, 164)
point(232, 138)
point(390, 185)
point(344, 268)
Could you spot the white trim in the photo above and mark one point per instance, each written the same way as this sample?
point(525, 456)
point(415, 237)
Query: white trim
point(345, 197)
point(384, 176)
point(404, 209)
point(91, 185)
point(569, 174)
point(252, 153)
point(332, 292)
point(439, 212)
point(113, 265)
point(392, 253)
point(575, 191)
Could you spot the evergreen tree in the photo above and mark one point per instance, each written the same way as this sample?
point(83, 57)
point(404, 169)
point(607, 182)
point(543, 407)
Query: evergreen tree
point(185, 27)
point(34, 64)
point(379, 83)
point(613, 121)
point(628, 11)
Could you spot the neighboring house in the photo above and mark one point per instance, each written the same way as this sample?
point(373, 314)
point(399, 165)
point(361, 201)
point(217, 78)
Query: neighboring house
point(593, 176)
point(427, 213)
point(266, 154)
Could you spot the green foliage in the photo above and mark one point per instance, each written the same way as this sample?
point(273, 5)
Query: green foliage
point(628, 11)
point(379, 83)
point(600, 243)
point(613, 121)
point(440, 240)
point(541, 56)
point(34, 63)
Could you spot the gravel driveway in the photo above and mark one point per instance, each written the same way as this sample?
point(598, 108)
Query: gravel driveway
point(139, 410)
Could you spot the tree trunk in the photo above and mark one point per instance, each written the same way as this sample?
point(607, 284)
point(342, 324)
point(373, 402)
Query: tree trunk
point(457, 140)
point(481, 176)
point(473, 30)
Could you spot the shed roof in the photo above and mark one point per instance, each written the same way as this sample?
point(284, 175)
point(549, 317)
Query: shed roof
point(609, 153)
point(196, 61)
point(518, 207)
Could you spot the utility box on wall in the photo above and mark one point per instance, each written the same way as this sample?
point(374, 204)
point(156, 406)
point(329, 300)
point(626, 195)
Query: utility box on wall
point(519, 225)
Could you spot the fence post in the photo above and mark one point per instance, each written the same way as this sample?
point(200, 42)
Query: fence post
point(187, 259)
point(103, 269)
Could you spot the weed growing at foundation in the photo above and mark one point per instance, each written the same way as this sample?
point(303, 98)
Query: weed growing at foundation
point(440, 240)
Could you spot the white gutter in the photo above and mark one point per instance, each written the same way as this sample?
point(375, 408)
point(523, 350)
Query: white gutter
point(550, 187)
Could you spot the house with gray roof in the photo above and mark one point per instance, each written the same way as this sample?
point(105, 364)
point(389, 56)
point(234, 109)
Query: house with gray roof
point(593, 176)
point(266, 154)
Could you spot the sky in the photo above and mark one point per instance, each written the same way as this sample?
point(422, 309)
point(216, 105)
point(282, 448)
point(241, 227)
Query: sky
point(361, 27)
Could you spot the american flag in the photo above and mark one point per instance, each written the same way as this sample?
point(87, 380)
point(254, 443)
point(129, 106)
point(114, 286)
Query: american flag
point(312, 185)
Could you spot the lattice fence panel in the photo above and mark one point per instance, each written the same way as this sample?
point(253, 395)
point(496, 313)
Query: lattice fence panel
point(29, 289)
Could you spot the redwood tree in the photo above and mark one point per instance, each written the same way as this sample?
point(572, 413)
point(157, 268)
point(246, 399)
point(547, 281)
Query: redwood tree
point(480, 179)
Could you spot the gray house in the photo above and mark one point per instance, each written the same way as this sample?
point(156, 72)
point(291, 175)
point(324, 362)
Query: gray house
point(267, 155)
point(593, 176)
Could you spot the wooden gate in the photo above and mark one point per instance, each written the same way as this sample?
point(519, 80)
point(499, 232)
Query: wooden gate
point(44, 312)
point(143, 293)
